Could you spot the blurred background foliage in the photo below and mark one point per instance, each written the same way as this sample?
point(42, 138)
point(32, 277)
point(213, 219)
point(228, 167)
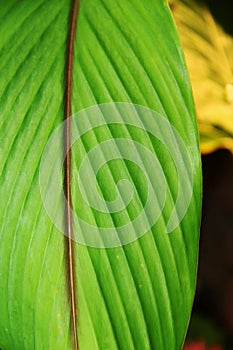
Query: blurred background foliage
point(208, 50)
point(206, 32)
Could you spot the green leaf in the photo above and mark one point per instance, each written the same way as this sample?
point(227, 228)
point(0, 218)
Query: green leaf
point(129, 296)
point(208, 51)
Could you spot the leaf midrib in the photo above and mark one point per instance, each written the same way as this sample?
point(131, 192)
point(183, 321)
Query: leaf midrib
point(69, 243)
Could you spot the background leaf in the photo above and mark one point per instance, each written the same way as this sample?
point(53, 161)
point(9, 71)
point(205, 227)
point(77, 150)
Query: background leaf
point(208, 51)
point(136, 296)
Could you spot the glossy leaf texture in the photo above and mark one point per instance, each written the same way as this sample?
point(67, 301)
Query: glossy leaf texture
point(133, 296)
point(208, 51)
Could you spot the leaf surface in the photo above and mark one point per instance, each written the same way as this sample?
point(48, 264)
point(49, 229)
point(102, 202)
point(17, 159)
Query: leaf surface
point(132, 296)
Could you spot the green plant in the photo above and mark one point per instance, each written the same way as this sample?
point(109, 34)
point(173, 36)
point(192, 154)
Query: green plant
point(129, 296)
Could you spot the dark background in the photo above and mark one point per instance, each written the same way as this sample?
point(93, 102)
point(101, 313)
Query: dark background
point(212, 317)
